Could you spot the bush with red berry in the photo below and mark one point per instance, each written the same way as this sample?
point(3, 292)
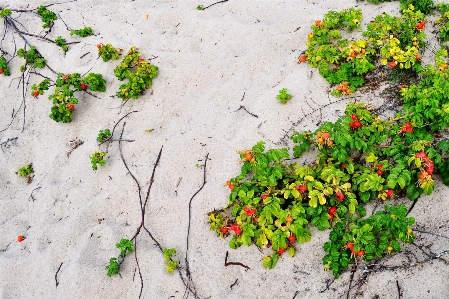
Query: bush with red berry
point(63, 97)
point(4, 69)
point(138, 71)
point(395, 41)
point(361, 158)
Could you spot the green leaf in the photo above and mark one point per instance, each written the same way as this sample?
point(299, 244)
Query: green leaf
point(291, 251)
point(279, 240)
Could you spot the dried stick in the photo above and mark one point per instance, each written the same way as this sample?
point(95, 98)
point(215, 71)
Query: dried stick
point(113, 129)
point(143, 205)
point(56, 275)
point(215, 3)
point(188, 274)
point(234, 263)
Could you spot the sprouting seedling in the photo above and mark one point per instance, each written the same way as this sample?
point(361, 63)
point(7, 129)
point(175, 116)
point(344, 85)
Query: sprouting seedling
point(61, 42)
point(283, 96)
point(200, 7)
point(125, 246)
point(170, 264)
point(113, 267)
point(47, 16)
point(25, 170)
point(86, 31)
point(97, 158)
point(104, 135)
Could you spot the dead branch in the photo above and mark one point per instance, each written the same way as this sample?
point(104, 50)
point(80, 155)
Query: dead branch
point(234, 263)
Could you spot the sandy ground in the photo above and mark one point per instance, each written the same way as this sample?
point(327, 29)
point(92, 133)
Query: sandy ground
point(211, 62)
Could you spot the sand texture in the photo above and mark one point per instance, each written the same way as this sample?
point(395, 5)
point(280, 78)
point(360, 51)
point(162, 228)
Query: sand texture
point(211, 63)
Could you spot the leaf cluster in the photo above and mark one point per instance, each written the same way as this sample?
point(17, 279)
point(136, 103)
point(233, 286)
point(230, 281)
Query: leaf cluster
point(126, 246)
point(60, 42)
point(47, 16)
point(376, 235)
point(341, 60)
point(272, 200)
point(32, 58)
point(86, 31)
point(108, 52)
point(4, 66)
point(425, 6)
point(25, 170)
point(63, 96)
point(5, 13)
point(443, 21)
point(283, 96)
point(98, 158)
point(170, 264)
point(41, 87)
point(138, 71)
point(113, 267)
point(103, 135)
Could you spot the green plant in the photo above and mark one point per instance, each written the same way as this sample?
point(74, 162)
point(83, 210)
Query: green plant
point(5, 12)
point(425, 6)
point(113, 267)
point(443, 21)
point(103, 135)
point(395, 40)
point(283, 96)
point(97, 158)
point(86, 31)
point(368, 238)
point(25, 170)
point(200, 7)
point(38, 89)
point(138, 71)
point(108, 52)
point(47, 16)
point(361, 158)
point(60, 42)
point(95, 82)
point(4, 69)
point(32, 58)
point(170, 264)
point(63, 97)
point(125, 246)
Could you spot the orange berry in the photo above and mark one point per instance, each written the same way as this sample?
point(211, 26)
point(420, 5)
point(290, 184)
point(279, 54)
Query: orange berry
point(302, 58)
point(326, 136)
point(310, 35)
point(330, 143)
point(20, 238)
point(289, 219)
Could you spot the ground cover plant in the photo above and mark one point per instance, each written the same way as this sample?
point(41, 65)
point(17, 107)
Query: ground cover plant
point(283, 96)
point(63, 96)
point(25, 170)
point(394, 40)
point(361, 158)
point(138, 71)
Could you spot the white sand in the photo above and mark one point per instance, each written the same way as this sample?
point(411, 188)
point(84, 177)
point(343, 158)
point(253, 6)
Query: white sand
point(207, 60)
